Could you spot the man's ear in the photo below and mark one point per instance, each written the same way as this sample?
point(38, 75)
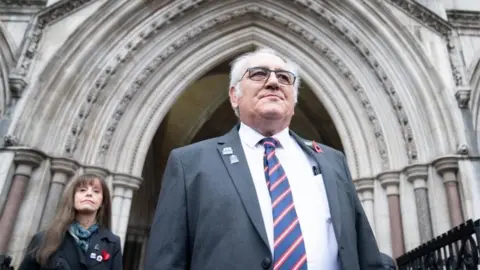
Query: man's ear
point(233, 97)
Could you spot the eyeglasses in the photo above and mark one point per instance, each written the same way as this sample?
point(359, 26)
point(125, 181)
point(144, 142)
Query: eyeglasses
point(263, 74)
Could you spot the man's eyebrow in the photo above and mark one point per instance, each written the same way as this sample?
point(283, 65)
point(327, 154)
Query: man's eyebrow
point(265, 67)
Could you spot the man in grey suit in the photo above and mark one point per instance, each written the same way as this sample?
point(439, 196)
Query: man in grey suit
point(260, 197)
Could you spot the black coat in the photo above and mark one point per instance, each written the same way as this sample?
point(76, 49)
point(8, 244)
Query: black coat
point(70, 257)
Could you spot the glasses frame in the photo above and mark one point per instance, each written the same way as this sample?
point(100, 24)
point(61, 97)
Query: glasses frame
point(269, 73)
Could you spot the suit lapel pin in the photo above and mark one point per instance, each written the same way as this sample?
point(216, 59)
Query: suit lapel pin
point(227, 151)
point(314, 145)
point(93, 255)
point(99, 258)
point(233, 159)
point(97, 247)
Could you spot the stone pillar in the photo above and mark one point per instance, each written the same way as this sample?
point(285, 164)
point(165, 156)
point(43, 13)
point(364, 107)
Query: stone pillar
point(447, 167)
point(418, 175)
point(26, 161)
point(62, 170)
point(123, 188)
point(365, 189)
point(390, 181)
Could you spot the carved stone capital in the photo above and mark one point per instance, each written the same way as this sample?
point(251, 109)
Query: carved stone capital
point(446, 164)
point(64, 165)
point(463, 97)
point(98, 171)
point(416, 171)
point(390, 181)
point(17, 85)
point(126, 181)
point(364, 184)
point(29, 157)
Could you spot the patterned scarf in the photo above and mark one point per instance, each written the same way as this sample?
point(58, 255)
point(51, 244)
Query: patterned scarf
point(82, 236)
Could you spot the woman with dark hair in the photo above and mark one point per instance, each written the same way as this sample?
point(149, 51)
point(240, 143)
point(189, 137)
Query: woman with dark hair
point(80, 235)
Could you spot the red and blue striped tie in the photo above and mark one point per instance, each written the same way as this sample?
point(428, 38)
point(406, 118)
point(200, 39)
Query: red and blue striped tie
point(289, 248)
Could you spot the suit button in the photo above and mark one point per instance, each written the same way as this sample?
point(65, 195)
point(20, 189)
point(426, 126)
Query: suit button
point(266, 263)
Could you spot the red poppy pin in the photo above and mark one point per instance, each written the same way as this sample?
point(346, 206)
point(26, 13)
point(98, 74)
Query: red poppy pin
point(314, 145)
point(105, 255)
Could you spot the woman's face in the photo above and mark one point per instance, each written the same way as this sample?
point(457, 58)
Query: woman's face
point(89, 198)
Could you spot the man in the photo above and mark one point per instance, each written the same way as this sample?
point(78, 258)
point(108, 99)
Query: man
point(260, 197)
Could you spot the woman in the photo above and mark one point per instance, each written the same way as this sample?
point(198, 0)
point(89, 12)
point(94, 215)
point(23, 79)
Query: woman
point(79, 236)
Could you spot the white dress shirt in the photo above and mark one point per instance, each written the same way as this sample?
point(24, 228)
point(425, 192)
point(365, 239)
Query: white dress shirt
point(308, 193)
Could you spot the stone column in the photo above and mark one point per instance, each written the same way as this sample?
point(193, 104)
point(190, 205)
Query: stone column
point(447, 167)
point(123, 188)
point(365, 189)
point(390, 181)
point(62, 170)
point(26, 161)
point(418, 175)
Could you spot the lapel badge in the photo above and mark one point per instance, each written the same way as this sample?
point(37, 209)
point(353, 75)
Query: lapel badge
point(233, 159)
point(97, 247)
point(99, 258)
point(316, 147)
point(105, 255)
point(93, 255)
point(227, 151)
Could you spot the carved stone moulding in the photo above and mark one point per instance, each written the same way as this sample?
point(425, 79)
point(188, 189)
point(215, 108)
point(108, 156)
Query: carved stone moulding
point(463, 96)
point(23, 3)
point(423, 15)
point(463, 19)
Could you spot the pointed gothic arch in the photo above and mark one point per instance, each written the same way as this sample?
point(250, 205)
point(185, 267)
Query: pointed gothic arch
point(362, 85)
point(7, 59)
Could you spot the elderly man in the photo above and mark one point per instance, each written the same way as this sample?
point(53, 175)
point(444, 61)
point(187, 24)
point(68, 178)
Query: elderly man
point(260, 197)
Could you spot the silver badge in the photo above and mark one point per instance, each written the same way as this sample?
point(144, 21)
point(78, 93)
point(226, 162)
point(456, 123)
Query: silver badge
point(233, 159)
point(96, 247)
point(227, 151)
point(99, 258)
point(93, 256)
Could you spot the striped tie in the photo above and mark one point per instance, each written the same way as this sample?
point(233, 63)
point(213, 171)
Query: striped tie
point(289, 249)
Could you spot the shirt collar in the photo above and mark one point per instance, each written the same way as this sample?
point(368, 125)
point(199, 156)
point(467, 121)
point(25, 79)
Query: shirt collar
point(251, 137)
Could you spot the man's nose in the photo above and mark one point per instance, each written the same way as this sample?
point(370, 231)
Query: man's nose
point(272, 82)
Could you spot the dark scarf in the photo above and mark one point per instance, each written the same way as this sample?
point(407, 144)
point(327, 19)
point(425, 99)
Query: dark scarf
point(81, 235)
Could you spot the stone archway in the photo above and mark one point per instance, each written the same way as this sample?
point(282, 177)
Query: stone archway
point(123, 69)
point(7, 59)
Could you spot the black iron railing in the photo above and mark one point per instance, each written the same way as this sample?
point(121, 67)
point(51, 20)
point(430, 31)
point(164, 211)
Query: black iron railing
point(5, 262)
point(457, 249)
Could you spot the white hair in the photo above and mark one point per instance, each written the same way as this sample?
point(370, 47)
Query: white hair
point(240, 64)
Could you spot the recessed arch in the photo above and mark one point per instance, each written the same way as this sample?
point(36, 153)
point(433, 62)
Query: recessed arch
point(359, 115)
point(7, 59)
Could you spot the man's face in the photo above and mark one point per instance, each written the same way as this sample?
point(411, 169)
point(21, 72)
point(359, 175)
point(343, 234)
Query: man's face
point(267, 97)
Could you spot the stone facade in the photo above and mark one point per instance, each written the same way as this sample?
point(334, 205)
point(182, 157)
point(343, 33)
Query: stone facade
point(91, 85)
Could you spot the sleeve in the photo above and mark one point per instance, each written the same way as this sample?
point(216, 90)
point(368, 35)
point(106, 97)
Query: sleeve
point(168, 241)
point(368, 254)
point(29, 262)
point(117, 259)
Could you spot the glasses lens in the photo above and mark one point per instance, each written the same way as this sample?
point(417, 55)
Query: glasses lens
point(258, 74)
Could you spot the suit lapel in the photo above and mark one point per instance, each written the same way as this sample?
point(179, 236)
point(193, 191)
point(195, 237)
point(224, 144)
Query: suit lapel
point(95, 248)
point(330, 180)
point(242, 178)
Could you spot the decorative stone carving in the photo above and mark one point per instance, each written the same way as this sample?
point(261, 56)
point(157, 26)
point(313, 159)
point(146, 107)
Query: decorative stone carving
point(63, 165)
point(463, 97)
point(363, 184)
point(422, 14)
point(33, 36)
point(127, 181)
point(465, 20)
point(29, 157)
point(390, 181)
point(101, 172)
point(416, 172)
point(10, 140)
point(446, 164)
point(456, 61)
point(462, 149)
point(149, 71)
point(20, 3)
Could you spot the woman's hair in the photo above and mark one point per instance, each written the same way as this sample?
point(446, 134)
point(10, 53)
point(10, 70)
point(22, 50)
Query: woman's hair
point(65, 215)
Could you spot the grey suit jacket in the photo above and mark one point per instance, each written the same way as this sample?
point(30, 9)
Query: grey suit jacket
point(208, 215)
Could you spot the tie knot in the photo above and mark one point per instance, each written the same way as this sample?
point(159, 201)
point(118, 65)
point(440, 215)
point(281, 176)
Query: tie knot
point(270, 143)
